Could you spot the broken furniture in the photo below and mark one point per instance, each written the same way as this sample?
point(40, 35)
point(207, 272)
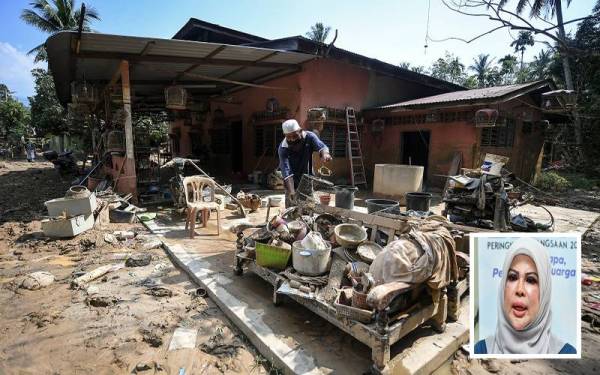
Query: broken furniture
point(198, 201)
point(396, 309)
point(70, 215)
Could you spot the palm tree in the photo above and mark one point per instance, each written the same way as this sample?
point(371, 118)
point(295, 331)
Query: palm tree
point(520, 44)
point(318, 32)
point(541, 62)
point(456, 69)
point(553, 8)
point(51, 16)
point(481, 66)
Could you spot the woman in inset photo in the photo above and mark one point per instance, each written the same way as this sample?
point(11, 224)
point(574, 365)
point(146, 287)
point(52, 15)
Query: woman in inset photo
point(524, 313)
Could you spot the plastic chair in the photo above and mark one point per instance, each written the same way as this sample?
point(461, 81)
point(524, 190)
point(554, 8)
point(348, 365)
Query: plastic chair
point(194, 187)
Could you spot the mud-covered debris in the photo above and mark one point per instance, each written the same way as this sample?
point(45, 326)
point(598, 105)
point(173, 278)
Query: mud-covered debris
point(100, 301)
point(138, 260)
point(159, 291)
point(152, 337)
point(37, 280)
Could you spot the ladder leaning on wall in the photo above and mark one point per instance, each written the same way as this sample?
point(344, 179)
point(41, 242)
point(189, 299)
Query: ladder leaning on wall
point(357, 167)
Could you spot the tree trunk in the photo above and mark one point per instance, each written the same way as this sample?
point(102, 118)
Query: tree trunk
point(569, 79)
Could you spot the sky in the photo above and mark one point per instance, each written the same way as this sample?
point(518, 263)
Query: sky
point(391, 31)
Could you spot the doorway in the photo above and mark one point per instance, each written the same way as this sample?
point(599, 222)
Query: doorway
point(237, 158)
point(415, 149)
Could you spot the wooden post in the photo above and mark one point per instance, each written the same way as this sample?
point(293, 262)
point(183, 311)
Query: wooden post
point(129, 178)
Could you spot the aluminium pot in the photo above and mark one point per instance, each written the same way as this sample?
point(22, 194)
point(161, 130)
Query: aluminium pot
point(310, 262)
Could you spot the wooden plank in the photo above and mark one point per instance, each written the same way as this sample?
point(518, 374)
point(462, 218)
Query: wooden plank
point(454, 168)
point(240, 83)
point(244, 67)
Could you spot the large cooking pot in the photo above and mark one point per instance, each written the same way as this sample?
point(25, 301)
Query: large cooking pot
point(310, 262)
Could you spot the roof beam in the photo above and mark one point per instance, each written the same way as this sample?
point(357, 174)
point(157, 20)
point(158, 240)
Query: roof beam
point(147, 47)
point(239, 83)
point(244, 67)
point(131, 57)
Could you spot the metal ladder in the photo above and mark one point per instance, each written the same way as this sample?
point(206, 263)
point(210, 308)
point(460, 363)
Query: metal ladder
point(357, 168)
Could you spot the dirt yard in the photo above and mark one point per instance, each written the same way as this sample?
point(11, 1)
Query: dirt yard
point(122, 322)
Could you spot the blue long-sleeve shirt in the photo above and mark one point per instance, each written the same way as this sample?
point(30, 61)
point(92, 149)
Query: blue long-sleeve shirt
point(294, 164)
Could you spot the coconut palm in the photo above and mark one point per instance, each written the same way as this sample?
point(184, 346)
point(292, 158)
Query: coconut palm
point(481, 66)
point(541, 63)
point(520, 44)
point(549, 9)
point(51, 16)
point(318, 32)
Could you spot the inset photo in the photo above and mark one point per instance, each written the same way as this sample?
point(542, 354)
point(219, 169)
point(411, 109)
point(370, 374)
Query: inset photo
point(526, 295)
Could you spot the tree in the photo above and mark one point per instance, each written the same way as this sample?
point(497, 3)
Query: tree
point(541, 64)
point(318, 32)
point(520, 44)
point(47, 115)
point(482, 67)
point(508, 67)
point(14, 118)
point(51, 16)
point(449, 68)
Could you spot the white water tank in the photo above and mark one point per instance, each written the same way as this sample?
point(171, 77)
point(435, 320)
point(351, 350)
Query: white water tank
point(395, 180)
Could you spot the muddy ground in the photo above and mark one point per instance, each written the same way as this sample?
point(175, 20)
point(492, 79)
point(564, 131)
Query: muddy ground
point(122, 322)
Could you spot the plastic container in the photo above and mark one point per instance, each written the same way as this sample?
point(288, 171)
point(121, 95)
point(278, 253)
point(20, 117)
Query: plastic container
point(272, 256)
point(310, 262)
point(418, 201)
point(344, 196)
point(374, 205)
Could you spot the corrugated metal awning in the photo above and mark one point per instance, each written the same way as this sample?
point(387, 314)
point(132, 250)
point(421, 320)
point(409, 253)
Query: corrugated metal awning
point(206, 68)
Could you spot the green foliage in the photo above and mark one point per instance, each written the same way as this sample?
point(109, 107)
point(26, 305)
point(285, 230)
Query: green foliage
point(581, 181)
point(14, 119)
point(482, 66)
point(51, 16)
point(47, 115)
point(318, 32)
point(449, 68)
point(552, 181)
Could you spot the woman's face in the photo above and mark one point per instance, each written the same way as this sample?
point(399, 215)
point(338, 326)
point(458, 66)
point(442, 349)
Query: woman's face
point(521, 292)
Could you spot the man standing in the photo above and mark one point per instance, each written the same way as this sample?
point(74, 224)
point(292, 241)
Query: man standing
point(295, 156)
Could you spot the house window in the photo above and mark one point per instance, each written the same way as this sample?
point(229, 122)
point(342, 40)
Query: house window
point(219, 141)
point(499, 136)
point(267, 139)
point(334, 136)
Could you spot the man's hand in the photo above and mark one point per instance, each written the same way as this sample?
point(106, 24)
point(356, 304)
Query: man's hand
point(326, 157)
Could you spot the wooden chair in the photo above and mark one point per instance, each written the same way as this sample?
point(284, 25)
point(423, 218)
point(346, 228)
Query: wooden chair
point(194, 187)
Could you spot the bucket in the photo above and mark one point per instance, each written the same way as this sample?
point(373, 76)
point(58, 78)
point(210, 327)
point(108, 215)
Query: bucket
point(374, 205)
point(418, 201)
point(344, 196)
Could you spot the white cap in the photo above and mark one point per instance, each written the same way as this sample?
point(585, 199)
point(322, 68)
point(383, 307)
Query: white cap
point(290, 126)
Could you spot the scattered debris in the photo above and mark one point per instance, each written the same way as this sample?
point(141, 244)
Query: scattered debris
point(152, 337)
point(139, 260)
point(100, 301)
point(110, 238)
point(152, 244)
point(159, 291)
point(100, 271)
point(183, 338)
point(37, 280)
point(123, 235)
point(222, 344)
point(87, 244)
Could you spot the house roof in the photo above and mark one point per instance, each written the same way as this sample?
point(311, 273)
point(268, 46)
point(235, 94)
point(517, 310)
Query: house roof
point(304, 45)
point(199, 30)
point(470, 97)
point(189, 31)
point(206, 68)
